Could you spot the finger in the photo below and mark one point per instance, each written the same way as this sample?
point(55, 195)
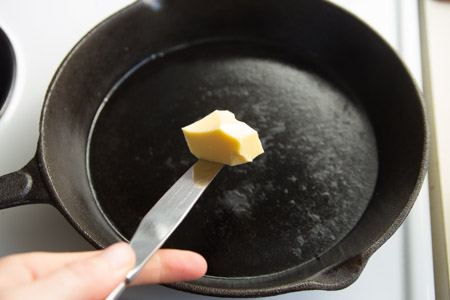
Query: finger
point(169, 265)
point(91, 278)
point(24, 268)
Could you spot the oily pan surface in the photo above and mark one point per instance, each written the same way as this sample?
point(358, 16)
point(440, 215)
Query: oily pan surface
point(292, 204)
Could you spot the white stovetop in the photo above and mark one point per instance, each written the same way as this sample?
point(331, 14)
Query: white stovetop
point(436, 25)
point(43, 32)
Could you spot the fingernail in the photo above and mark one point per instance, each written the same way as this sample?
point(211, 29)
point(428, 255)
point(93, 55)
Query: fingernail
point(118, 255)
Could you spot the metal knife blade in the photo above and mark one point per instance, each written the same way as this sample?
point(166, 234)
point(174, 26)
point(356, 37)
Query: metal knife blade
point(162, 219)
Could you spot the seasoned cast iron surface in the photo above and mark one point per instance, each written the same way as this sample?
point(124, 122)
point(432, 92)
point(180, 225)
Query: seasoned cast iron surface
point(293, 203)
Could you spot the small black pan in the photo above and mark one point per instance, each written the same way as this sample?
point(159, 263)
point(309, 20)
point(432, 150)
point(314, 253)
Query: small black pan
point(7, 72)
point(342, 123)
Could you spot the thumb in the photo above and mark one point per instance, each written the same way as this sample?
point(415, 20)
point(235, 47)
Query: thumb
point(90, 278)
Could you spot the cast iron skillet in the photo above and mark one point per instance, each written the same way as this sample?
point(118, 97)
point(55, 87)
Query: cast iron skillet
point(342, 123)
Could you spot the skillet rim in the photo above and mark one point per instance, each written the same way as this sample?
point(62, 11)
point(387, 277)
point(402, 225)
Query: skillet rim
point(311, 283)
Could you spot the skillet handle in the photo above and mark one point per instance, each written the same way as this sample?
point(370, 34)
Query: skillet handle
point(25, 186)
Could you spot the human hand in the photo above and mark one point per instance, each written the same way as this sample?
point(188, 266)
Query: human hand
point(90, 275)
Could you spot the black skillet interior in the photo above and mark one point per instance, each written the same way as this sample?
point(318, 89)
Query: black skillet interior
point(340, 119)
point(296, 201)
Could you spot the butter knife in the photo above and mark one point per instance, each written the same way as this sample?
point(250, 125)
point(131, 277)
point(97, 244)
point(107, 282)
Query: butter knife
point(162, 219)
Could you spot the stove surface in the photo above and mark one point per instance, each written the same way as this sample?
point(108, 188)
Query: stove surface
point(43, 32)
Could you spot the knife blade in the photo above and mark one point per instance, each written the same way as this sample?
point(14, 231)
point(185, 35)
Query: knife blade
point(165, 216)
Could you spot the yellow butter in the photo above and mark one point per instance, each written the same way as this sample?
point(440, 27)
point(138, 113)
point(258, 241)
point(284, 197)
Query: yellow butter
point(219, 137)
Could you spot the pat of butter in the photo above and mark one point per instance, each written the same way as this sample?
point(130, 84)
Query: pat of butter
point(219, 137)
